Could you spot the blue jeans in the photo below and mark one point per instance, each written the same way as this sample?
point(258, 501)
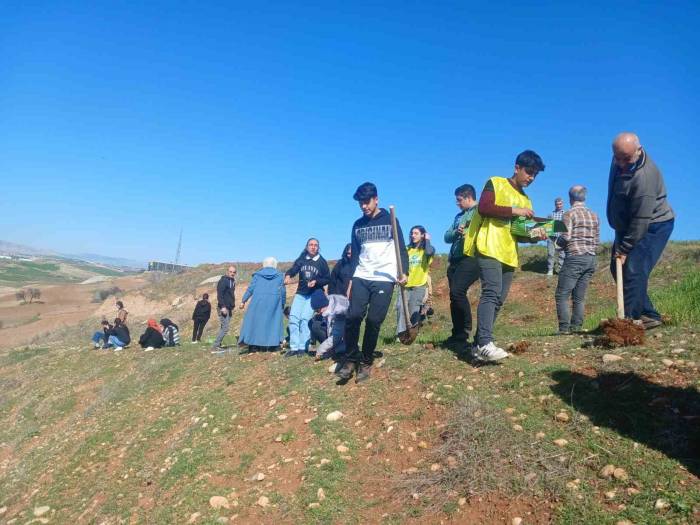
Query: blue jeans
point(99, 337)
point(637, 268)
point(574, 277)
point(113, 340)
point(299, 317)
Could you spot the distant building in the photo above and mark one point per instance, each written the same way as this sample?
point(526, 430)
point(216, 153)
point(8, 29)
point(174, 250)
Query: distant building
point(155, 266)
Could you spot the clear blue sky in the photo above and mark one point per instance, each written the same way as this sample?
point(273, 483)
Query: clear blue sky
point(251, 124)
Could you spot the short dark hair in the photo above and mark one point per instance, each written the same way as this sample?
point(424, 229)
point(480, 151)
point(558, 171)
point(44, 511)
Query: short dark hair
point(530, 159)
point(120, 304)
point(365, 192)
point(205, 296)
point(465, 190)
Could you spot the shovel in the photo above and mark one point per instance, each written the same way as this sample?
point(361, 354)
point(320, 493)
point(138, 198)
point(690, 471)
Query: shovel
point(620, 289)
point(409, 335)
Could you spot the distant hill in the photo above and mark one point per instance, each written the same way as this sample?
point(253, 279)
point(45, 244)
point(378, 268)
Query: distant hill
point(120, 263)
point(10, 248)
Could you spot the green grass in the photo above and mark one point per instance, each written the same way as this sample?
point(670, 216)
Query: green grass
point(20, 273)
point(98, 434)
point(681, 300)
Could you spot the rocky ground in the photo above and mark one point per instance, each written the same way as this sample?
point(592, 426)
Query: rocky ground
point(562, 432)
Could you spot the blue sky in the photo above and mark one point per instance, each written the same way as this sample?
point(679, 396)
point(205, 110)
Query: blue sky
point(251, 124)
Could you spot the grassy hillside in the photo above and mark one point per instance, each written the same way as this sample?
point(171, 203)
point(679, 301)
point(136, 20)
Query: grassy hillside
point(135, 437)
point(19, 273)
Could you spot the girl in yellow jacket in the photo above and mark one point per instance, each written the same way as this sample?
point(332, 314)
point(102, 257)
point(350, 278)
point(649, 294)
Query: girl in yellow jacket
point(420, 255)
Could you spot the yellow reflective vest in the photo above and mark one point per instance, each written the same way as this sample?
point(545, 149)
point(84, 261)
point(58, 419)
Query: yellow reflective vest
point(418, 267)
point(491, 236)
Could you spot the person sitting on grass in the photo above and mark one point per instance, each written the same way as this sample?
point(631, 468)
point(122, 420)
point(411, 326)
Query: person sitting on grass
point(420, 255)
point(99, 339)
point(118, 336)
point(330, 333)
point(171, 332)
point(152, 337)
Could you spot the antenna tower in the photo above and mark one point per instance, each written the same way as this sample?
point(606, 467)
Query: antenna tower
point(179, 247)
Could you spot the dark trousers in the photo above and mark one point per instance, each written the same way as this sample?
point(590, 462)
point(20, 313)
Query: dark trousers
point(496, 279)
point(198, 328)
point(637, 268)
point(461, 274)
point(318, 329)
point(574, 276)
point(370, 298)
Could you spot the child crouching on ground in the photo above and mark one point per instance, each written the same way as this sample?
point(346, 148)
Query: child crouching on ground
point(332, 309)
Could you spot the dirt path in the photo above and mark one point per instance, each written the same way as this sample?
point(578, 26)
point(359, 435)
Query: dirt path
point(60, 306)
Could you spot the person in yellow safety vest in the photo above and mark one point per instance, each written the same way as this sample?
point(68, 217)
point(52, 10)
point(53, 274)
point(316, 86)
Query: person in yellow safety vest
point(490, 240)
point(420, 255)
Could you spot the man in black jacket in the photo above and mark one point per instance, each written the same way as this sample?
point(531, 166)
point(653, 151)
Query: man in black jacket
point(226, 301)
point(200, 317)
point(373, 259)
point(639, 212)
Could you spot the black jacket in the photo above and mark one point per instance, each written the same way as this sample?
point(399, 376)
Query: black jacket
point(341, 275)
point(151, 337)
point(202, 311)
point(122, 333)
point(310, 269)
point(226, 293)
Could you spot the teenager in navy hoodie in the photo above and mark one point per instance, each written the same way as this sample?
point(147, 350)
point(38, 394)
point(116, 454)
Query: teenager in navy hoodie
point(373, 259)
point(313, 275)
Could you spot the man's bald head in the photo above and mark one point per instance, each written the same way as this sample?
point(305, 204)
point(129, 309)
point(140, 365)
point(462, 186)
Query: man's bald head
point(626, 149)
point(231, 272)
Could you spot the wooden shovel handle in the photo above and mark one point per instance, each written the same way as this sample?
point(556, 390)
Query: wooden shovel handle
point(620, 289)
point(399, 267)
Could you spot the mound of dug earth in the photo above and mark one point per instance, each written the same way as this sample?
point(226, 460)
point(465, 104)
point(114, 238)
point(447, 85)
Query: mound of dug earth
point(620, 332)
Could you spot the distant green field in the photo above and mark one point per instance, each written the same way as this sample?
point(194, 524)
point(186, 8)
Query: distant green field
point(17, 273)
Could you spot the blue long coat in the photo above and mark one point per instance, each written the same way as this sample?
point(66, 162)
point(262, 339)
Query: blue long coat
point(262, 324)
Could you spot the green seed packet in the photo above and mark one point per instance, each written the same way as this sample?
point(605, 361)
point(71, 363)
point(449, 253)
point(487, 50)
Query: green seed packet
point(521, 227)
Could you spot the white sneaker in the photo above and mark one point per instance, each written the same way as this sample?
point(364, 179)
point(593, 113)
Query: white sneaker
point(148, 349)
point(490, 353)
point(98, 345)
point(118, 348)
